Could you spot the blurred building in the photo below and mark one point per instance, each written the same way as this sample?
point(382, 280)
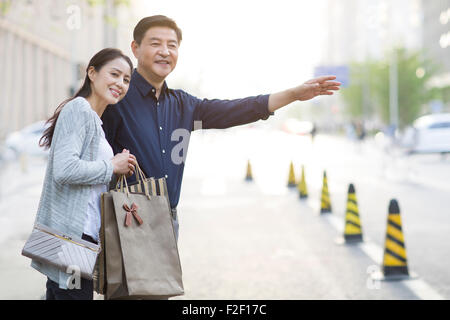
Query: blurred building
point(44, 48)
point(368, 29)
point(436, 38)
point(360, 29)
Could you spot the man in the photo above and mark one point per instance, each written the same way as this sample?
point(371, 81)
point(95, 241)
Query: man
point(145, 121)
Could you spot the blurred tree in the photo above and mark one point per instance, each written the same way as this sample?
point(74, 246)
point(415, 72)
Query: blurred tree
point(4, 6)
point(353, 95)
point(110, 18)
point(413, 73)
point(361, 84)
point(116, 3)
point(445, 95)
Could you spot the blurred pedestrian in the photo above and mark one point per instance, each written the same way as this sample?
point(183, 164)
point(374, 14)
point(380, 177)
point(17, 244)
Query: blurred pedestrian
point(150, 119)
point(313, 131)
point(360, 130)
point(81, 163)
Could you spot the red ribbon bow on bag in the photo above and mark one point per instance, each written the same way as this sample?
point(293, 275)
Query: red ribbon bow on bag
point(132, 211)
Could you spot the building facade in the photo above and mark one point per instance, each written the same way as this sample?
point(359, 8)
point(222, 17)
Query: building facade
point(436, 38)
point(360, 29)
point(44, 48)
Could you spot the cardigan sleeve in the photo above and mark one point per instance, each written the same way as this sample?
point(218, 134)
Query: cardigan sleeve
point(74, 131)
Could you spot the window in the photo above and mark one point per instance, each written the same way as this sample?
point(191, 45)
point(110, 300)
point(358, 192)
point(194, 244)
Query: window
point(439, 125)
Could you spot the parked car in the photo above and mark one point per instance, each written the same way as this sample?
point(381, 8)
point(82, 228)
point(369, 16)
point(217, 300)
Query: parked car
point(27, 140)
point(6, 154)
point(430, 134)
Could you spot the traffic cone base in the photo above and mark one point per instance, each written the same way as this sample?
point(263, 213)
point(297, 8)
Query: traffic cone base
point(302, 189)
point(325, 210)
point(380, 276)
point(249, 176)
point(353, 238)
point(348, 241)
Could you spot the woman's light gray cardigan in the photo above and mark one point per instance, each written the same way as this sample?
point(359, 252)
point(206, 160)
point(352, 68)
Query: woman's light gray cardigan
point(71, 170)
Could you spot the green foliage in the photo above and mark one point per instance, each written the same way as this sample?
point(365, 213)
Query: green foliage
point(112, 21)
point(93, 3)
point(5, 5)
point(115, 3)
point(412, 90)
point(353, 95)
point(444, 94)
point(122, 3)
point(362, 83)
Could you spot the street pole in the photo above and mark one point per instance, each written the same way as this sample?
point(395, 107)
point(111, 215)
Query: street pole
point(73, 63)
point(73, 23)
point(393, 91)
point(365, 84)
point(393, 75)
point(109, 27)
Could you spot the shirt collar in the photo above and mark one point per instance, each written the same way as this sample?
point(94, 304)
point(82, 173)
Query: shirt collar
point(144, 86)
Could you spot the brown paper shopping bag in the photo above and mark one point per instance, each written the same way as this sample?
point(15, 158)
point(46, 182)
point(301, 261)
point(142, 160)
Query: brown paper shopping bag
point(113, 276)
point(151, 263)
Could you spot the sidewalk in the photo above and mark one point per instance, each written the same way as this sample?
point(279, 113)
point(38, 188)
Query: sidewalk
point(19, 199)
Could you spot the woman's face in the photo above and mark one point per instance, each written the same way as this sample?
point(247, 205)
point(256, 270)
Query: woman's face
point(110, 84)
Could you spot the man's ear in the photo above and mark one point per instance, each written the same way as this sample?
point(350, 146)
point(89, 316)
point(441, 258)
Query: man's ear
point(134, 47)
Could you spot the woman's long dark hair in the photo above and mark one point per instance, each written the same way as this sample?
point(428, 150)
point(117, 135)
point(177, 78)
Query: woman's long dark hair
point(97, 61)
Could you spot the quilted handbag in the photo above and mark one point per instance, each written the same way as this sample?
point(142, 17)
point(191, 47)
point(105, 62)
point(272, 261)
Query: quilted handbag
point(66, 253)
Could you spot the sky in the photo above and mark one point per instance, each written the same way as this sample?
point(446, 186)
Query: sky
point(232, 48)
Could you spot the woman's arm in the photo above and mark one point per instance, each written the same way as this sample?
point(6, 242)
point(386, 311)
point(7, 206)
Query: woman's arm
point(75, 124)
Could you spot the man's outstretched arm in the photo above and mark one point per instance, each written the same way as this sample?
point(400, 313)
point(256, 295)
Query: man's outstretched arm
point(312, 88)
point(221, 114)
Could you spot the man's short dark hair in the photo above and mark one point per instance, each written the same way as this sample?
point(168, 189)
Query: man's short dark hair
point(154, 21)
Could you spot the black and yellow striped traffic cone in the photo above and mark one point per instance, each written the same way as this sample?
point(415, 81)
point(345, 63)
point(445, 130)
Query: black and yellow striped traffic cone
point(291, 179)
point(352, 229)
point(302, 189)
point(248, 175)
point(325, 203)
point(395, 264)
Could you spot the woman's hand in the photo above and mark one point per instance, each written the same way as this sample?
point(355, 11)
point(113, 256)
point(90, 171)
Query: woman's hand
point(124, 163)
point(133, 163)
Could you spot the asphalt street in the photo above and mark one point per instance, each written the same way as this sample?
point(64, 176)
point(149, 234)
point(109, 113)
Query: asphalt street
point(257, 240)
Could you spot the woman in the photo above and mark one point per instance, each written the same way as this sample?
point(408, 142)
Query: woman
point(81, 163)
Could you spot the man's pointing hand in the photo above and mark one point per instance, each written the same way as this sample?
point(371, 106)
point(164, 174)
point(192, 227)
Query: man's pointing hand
point(321, 86)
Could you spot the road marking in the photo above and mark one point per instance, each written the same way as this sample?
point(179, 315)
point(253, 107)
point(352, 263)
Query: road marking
point(372, 250)
point(213, 186)
point(422, 290)
point(335, 222)
point(418, 286)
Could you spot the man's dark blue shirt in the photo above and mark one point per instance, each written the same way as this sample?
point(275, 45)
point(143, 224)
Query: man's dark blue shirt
point(146, 125)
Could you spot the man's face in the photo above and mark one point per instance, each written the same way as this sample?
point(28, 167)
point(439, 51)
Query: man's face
point(158, 52)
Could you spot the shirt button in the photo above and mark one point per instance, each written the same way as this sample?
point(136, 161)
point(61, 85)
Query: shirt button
point(166, 176)
point(153, 90)
point(157, 103)
point(163, 151)
point(160, 128)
